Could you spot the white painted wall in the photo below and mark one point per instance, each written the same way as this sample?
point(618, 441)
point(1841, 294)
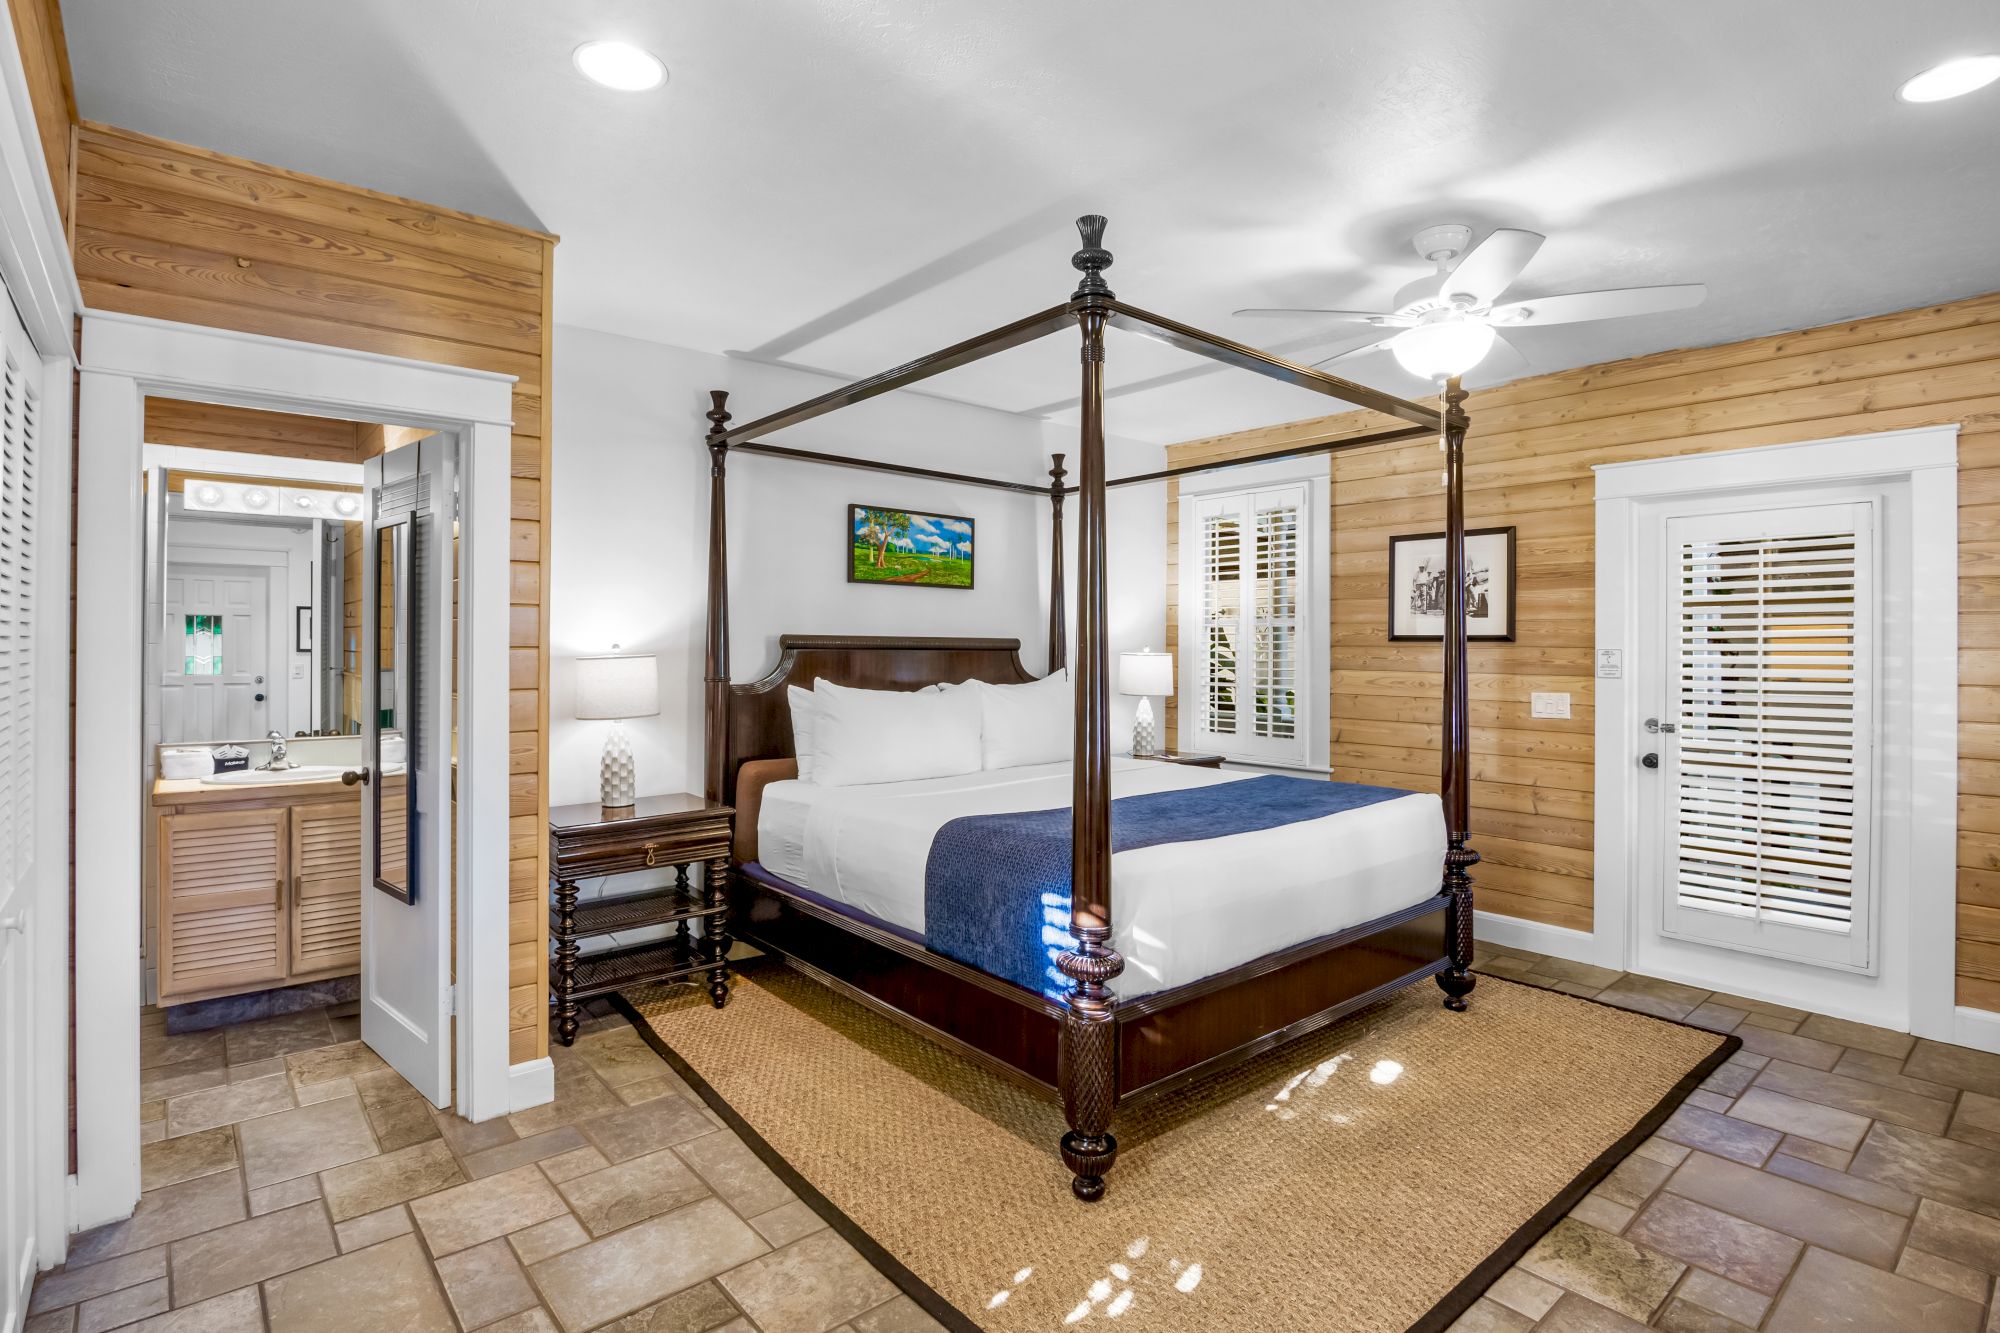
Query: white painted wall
point(630, 511)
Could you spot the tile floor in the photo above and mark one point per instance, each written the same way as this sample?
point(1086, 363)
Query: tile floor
point(1830, 1176)
point(293, 1182)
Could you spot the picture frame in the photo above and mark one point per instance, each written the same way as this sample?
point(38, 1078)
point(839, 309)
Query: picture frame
point(1416, 586)
point(302, 629)
point(909, 547)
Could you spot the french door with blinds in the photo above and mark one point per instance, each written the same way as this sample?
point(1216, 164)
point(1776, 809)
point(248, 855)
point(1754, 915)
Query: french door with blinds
point(1247, 654)
point(1765, 726)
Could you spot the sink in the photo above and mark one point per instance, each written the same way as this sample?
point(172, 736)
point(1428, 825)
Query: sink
point(261, 777)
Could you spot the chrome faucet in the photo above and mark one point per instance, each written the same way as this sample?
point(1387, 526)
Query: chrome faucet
point(278, 759)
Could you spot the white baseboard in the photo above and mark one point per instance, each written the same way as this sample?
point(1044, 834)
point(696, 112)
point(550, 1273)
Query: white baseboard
point(530, 1083)
point(1512, 932)
point(1976, 1028)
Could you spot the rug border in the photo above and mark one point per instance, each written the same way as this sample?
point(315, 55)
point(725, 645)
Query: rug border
point(1439, 1317)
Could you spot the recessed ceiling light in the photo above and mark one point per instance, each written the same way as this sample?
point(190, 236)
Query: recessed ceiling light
point(620, 65)
point(1954, 78)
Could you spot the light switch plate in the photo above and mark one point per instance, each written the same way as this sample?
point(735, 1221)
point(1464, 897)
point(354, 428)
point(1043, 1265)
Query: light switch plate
point(1548, 704)
point(298, 671)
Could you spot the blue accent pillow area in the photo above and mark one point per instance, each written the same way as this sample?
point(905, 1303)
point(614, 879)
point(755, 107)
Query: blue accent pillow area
point(997, 887)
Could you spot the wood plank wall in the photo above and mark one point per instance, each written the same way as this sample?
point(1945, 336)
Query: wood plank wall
point(246, 430)
point(182, 233)
point(38, 31)
point(1529, 456)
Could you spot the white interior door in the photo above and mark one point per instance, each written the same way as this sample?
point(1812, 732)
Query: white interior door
point(1762, 709)
point(407, 671)
point(215, 676)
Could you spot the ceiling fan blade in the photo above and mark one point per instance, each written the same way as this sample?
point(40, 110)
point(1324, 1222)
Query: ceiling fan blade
point(1502, 362)
point(1371, 346)
point(1491, 266)
point(1381, 317)
point(1616, 303)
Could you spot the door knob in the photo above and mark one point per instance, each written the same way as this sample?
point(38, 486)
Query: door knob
point(354, 775)
point(259, 698)
point(1649, 761)
point(14, 923)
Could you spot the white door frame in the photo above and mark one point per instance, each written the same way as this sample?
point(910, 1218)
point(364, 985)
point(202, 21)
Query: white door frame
point(1926, 460)
point(125, 359)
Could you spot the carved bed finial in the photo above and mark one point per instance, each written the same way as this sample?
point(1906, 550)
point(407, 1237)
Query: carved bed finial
point(1092, 259)
point(718, 415)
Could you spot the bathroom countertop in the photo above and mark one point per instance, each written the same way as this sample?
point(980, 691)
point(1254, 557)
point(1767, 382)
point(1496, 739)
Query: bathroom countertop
point(193, 791)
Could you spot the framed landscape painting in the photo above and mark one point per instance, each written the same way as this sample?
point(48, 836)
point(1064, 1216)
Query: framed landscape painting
point(1416, 586)
point(908, 547)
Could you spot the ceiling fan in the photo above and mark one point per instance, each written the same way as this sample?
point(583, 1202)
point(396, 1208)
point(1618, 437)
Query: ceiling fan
point(1449, 321)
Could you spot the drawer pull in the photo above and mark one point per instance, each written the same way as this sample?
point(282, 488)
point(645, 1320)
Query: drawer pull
point(652, 854)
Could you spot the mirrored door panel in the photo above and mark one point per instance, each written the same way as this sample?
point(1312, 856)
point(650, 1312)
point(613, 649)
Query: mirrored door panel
point(395, 871)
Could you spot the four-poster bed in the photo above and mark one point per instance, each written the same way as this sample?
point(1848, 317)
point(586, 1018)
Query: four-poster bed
point(1094, 1050)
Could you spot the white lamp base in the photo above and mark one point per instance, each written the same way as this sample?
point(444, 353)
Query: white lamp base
point(1145, 740)
point(617, 774)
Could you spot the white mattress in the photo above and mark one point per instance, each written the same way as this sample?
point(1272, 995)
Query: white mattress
point(1180, 911)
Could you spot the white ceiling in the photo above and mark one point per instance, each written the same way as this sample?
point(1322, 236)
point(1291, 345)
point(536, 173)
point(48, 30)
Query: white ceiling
point(844, 184)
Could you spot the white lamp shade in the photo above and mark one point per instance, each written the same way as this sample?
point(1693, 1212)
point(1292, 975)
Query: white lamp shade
point(624, 686)
point(1146, 673)
point(1442, 349)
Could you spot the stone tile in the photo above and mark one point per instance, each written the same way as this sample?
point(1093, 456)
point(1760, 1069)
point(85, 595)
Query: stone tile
point(1520, 1290)
point(653, 1087)
point(1646, 995)
point(314, 1093)
point(1586, 974)
point(1725, 1136)
point(1807, 1150)
point(901, 1315)
point(1855, 1096)
point(632, 1191)
point(285, 1194)
point(1710, 1101)
point(170, 1161)
point(74, 1284)
point(1935, 1062)
point(226, 1105)
point(1811, 1120)
point(620, 1056)
point(346, 1029)
point(53, 1321)
point(540, 1241)
point(787, 1222)
point(1484, 1316)
point(648, 1127)
point(125, 1306)
point(1579, 989)
point(1943, 1274)
point(1682, 1316)
point(282, 1035)
point(695, 1310)
point(1977, 1120)
point(386, 1286)
point(304, 1141)
point(1938, 1168)
point(735, 1173)
point(158, 1047)
point(1634, 1180)
point(377, 1086)
point(467, 1138)
point(1502, 966)
point(1786, 1046)
point(1972, 1239)
point(523, 1152)
point(1723, 1297)
point(239, 1312)
point(1727, 1246)
point(1663, 1150)
point(1862, 1037)
point(808, 1286)
point(1731, 1077)
point(1830, 1292)
point(164, 1082)
point(1768, 1023)
point(1765, 1007)
point(465, 1215)
point(236, 1256)
point(1873, 1193)
point(536, 1320)
point(152, 1111)
point(1829, 1221)
point(376, 1182)
point(1602, 1213)
point(1574, 1314)
point(485, 1284)
point(400, 1123)
point(1608, 1269)
point(1888, 1073)
point(323, 1063)
point(257, 1069)
point(580, 1162)
point(372, 1228)
point(1715, 1017)
point(164, 1215)
point(631, 1269)
point(152, 1131)
point(580, 1094)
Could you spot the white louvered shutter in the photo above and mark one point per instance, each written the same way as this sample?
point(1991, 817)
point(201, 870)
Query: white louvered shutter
point(1772, 674)
point(1252, 635)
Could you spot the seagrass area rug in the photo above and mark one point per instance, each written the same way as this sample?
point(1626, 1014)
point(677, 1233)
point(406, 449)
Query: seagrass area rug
point(1374, 1176)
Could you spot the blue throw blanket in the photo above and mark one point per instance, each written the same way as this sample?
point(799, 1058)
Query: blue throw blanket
point(997, 887)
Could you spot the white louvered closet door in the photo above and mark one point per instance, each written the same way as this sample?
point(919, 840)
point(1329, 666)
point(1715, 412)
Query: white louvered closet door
point(1250, 653)
point(1768, 771)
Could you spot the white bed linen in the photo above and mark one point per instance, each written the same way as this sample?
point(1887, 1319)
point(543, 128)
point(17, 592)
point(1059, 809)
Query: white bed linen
point(1180, 911)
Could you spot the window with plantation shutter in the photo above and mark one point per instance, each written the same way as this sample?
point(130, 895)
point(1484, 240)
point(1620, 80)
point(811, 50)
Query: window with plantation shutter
point(20, 428)
point(1249, 647)
point(1771, 678)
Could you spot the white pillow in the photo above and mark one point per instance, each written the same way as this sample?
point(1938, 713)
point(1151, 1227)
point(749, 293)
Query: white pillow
point(864, 736)
point(1027, 724)
point(805, 718)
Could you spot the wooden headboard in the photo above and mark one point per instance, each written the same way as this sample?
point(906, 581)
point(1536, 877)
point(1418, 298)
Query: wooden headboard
point(760, 716)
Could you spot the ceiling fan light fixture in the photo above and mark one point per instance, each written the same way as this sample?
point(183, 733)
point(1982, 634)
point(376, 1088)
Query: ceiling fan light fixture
point(620, 66)
point(1443, 348)
point(1953, 78)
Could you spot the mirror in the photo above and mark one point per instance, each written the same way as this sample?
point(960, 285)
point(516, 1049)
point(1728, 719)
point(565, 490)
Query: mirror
point(394, 668)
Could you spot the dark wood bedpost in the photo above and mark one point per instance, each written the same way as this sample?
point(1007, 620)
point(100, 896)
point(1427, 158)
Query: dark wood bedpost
point(1058, 614)
point(1087, 1064)
point(716, 669)
point(1456, 773)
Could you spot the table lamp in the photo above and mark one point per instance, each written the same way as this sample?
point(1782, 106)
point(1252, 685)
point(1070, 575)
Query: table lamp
point(617, 686)
point(1145, 674)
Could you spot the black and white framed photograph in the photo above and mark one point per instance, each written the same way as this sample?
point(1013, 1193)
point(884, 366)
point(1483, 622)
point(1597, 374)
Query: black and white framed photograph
point(302, 629)
point(1417, 583)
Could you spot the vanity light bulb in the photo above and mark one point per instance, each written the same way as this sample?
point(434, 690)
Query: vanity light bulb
point(256, 497)
point(208, 495)
point(346, 505)
point(303, 501)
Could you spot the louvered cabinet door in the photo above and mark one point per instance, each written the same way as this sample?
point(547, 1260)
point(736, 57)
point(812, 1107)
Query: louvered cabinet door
point(326, 887)
point(222, 900)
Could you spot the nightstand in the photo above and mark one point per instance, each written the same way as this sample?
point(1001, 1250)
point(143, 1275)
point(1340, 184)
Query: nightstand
point(586, 841)
point(1188, 757)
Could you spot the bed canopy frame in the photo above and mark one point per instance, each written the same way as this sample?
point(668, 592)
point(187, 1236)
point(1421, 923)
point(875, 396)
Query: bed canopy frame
point(1106, 1052)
